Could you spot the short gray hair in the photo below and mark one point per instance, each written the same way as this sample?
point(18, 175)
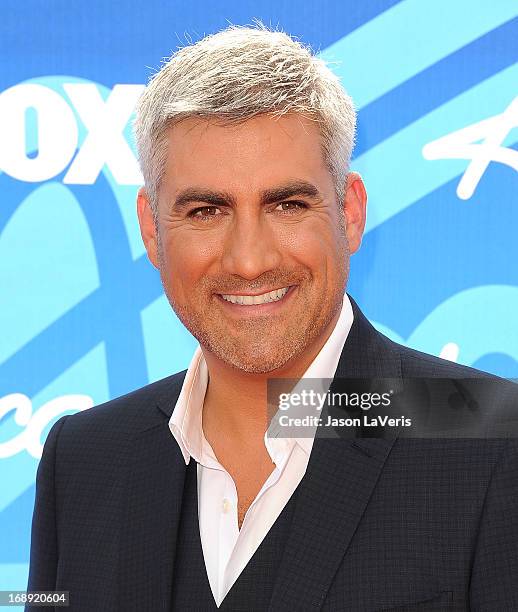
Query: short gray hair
point(234, 75)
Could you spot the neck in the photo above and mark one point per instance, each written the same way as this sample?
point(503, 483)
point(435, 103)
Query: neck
point(236, 401)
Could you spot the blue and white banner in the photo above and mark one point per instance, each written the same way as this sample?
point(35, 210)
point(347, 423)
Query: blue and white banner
point(82, 315)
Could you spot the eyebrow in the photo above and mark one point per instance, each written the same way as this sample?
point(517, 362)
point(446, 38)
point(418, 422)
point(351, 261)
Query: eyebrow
point(224, 198)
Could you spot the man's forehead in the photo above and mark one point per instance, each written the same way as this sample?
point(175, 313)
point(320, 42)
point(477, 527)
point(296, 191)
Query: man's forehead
point(289, 125)
point(255, 159)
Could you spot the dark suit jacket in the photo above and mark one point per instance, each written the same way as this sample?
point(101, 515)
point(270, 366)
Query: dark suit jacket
point(380, 524)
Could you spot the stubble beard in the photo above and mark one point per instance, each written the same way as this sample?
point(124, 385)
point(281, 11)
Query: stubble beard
point(257, 346)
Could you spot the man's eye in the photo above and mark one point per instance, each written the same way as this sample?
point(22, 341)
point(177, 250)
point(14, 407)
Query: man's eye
point(290, 206)
point(204, 212)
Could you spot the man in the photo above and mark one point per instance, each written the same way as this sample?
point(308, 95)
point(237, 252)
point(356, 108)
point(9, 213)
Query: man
point(174, 497)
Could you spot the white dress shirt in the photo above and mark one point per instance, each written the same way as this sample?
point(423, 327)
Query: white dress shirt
point(226, 549)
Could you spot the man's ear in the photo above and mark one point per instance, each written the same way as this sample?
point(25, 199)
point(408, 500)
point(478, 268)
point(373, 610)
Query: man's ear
point(355, 210)
point(147, 226)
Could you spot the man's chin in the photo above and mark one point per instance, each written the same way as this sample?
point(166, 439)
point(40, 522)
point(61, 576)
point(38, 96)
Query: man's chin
point(256, 368)
point(254, 362)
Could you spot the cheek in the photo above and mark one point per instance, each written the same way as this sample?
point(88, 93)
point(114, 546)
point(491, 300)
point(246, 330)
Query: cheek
point(314, 245)
point(187, 258)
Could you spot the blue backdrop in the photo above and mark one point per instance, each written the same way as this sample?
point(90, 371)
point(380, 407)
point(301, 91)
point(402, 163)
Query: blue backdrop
point(82, 316)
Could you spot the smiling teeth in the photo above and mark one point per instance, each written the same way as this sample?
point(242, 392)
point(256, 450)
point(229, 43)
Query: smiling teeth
point(264, 298)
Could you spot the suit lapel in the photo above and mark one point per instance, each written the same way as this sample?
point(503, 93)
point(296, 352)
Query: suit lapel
point(155, 481)
point(339, 481)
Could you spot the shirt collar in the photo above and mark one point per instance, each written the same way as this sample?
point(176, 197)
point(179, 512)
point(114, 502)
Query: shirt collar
point(186, 421)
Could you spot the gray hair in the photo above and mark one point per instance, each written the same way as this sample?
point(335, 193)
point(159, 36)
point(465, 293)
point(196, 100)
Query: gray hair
point(237, 74)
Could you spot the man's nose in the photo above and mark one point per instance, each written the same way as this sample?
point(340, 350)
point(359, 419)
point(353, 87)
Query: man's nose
point(250, 248)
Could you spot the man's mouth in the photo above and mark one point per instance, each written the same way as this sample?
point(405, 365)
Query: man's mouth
point(262, 298)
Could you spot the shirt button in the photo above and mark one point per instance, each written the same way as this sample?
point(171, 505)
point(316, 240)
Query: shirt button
point(225, 506)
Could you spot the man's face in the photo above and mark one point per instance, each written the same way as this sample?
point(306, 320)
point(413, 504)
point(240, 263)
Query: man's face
point(244, 211)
